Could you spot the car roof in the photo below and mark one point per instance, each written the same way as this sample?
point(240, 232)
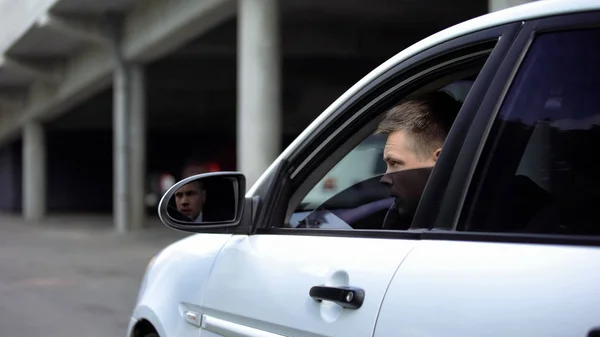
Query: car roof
point(528, 11)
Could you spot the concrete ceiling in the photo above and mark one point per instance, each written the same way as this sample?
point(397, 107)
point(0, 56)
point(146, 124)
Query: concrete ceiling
point(92, 6)
point(33, 44)
point(326, 46)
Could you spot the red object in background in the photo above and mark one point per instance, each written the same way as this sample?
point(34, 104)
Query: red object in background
point(330, 184)
point(200, 167)
point(214, 167)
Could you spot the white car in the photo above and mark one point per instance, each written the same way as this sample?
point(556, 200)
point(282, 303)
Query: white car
point(506, 239)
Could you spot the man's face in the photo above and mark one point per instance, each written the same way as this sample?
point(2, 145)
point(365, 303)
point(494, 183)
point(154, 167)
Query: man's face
point(190, 199)
point(406, 176)
point(407, 172)
point(399, 155)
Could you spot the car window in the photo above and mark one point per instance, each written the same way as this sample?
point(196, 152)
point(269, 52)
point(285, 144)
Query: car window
point(538, 172)
point(363, 162)
point(351, 195)
point(345, 182)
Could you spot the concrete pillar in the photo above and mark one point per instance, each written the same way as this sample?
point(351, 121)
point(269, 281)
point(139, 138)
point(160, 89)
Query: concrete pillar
point(258, 107)
point(129, 125)
point(496, 5)
point(34, 171)
point(129, 136)
point(138, 146)
point(121, 147)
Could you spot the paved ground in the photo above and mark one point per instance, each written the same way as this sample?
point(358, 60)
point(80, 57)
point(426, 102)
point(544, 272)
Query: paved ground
point(72, 276)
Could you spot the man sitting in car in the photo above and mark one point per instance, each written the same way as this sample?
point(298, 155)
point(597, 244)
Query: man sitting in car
point(416, 129)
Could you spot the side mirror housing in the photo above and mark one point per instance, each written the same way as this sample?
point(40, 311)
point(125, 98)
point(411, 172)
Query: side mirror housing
point(205, 202)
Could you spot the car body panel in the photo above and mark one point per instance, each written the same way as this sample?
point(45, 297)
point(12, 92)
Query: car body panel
point(263, 282)
point(468, 289)
point(175, 281)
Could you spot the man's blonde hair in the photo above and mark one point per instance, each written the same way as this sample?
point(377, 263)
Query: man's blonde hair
point(426, 121)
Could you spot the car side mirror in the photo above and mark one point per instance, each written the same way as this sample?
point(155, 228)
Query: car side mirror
point(204, 201)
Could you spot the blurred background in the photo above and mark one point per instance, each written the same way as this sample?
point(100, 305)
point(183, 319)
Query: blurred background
point(104, 104)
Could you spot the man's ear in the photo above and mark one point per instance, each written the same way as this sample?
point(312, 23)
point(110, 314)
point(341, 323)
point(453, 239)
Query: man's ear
point(436, 154)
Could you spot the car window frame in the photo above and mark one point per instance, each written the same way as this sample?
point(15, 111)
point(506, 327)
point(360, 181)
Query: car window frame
point(501, 34)
point(455, 201)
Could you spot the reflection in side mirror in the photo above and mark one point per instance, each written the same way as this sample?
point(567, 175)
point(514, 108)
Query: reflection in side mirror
point(208, 200)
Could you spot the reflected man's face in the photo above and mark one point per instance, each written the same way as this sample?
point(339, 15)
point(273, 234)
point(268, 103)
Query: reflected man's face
point(189, 199)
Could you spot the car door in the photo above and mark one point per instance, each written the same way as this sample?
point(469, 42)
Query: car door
point(522, 257)
point(270, 284)
point(314, 272)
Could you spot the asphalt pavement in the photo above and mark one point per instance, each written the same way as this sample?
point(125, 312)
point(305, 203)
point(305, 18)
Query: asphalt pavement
point(72, 276)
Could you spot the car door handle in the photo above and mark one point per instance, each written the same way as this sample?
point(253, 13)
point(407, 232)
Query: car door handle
point(595, 332)
point(346, 297)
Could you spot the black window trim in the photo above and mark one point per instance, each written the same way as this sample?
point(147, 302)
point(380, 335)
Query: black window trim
point(443, 175)
point(476, 139)
point(462, 173)
point(519, 238)
point(498, 33)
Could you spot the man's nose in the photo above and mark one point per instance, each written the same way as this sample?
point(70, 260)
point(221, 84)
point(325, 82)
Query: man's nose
point(386, 180)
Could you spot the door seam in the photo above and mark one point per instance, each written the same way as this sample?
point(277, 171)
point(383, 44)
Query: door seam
point(390, 284)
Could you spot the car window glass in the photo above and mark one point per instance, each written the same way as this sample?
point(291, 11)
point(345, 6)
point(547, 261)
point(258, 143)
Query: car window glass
point(352, 195)
point(538, 172)
point(363, 162)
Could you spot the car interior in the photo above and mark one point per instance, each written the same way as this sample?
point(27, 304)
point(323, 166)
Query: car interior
point(553, 187)
point(548, 139)
point(365, 204)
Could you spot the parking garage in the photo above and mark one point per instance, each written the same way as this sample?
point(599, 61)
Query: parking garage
point(97, 99)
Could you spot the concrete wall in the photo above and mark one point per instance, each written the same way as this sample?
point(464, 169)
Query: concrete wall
point(79, 171)
point(10, 177)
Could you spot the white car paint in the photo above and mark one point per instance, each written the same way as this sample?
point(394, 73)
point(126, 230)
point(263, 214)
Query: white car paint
point(247, 285)
point(174, 283)
point(474, 289)
point(268, 279)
